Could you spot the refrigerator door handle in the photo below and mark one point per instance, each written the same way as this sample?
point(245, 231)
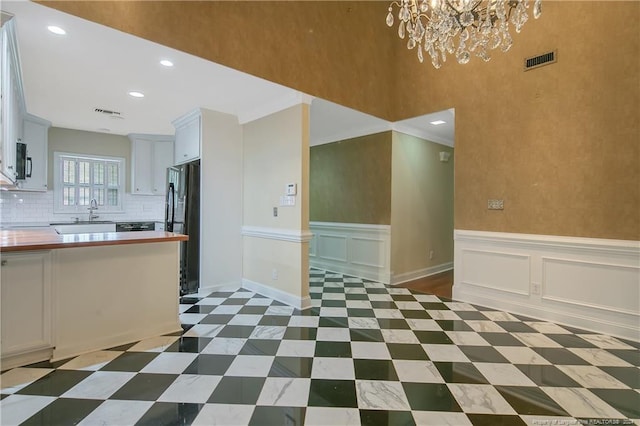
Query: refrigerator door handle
point(170, 212)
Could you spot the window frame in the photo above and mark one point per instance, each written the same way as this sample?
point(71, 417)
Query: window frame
point(58, 184)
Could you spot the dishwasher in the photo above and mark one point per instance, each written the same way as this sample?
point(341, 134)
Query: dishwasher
point(135, 226)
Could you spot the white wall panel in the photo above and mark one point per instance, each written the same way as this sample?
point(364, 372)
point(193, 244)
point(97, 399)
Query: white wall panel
point(499, 271)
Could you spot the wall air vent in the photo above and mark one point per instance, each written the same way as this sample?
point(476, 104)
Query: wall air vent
point(540, 60)
point(112, 114)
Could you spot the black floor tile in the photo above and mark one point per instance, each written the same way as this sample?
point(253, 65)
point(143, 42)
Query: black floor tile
point(547, 375)
point(375, 369)
point(386, 418)
point(145, 387)
point(300, 333)
point(238, 331)
point(629, 355)
point(531, 401)
point(333, 393)
point(460, 372)
point(237, 390)
point(630, 376)
point(407, 351)
point(454, 325)
point(560, 356)
point(393, 324)
point(483, 354)
point(433, 337)
point(277, 416)
point(210, 364)
point(216, 319)
point(495, 420)
point(235, 301)
point(339, 322)
point(189, 344)
point(571, 341)
point(253, 310)
point(200, 309)
point(125, 347)
point(403, 298)
point(55, 383)
point(334, 304)
point(360, 313)
point(415, 314)
point(260, 347)
point(170, 414)
point(284, 366)
point(333, 349)
point(380, 304)
point(366, 335)
point(371, 290)
point(434, 306)
point(63, 411)
point(501, 339)
point(516, 327)
point(279, 320)
point(626, 401)
point(471, 315)
point(355, 296)
point(189, 300)
point(430, 397)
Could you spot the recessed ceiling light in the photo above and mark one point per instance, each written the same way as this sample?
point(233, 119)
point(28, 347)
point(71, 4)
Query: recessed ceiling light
point(136, 94)
point(166, 63)
point(437, 122)
point(56, 30)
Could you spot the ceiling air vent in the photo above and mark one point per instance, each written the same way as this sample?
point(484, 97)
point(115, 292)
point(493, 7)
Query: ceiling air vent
point(540, 60)
point(112, 114)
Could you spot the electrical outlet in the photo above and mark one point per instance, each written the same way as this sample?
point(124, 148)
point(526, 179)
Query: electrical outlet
point(275, 212)
point(535, 288)
point(274, 274)
point(493, 204)
point(430, 254)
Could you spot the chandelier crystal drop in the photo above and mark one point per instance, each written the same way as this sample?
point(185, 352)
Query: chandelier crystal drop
point(459, 27)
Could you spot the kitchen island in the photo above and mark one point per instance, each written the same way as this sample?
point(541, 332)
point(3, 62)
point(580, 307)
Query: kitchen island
point(64, 295)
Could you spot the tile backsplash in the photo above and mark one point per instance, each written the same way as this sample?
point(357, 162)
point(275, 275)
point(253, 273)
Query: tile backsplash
point(38, 207)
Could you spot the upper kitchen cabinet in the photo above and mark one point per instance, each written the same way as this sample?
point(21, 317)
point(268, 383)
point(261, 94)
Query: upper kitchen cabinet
point(13, 107)
point(188, 135)
point(151, 155)
point(35, 135)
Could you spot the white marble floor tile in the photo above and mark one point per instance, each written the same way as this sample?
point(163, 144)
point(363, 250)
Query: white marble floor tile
point(333, 368)
point(414, 306)
point(155, 344)
point(381, 395)
point(447, 353)
point(316, 303)
point(334, 334)
point(333, 312)
point(399, 290)
point(260, 301)
point(423, 324)
point(304, 321)
point(333, 296)
point(169, 363)
point(279, 310)
point(536, 340)
point(369, 350)
point(193, 388)
point(226, 310)
point(224, 415)
point(116, 413)
point(211, 301)
point(374, 285)
point(331, 416)
point(460, 306)
point(99, 385)
point(355, 290)
point(270, 332)
point(380, 298)
point(399, 336)
point(605, 342)
point(417, 371)
point(499, 316)
point(579, 402)
point(191, 318)
point(440, 418)
point(297, 348)
point(591, 377)
point(224, 346)
point(426, 298)
point(470, 338)
point(13, 380)
point(365, 323)
point(388, 314)
point(600, 357)
point(443, 315)
point(182, 308)
point(503, 374)
point(15, 409)
point(547, 327)
point(285, 391)
point(250, 366)
point(358, 304)
point(480, 399)
point(204, 330)
point(240, 319)
point(485, 326)
point(521, 355)
point(242, 295)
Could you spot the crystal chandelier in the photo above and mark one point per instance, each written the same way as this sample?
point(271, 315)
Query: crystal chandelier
point(460, 27)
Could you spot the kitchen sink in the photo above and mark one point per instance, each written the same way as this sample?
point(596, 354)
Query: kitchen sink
point(85, 227)
point(83, 222)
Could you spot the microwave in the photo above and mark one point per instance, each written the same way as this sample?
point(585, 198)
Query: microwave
point(23, 163)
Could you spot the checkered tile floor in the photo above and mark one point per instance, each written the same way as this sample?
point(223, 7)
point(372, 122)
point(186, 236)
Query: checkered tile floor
point(364, 354)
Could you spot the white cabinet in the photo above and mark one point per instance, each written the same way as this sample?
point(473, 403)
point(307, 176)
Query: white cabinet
point(188, 135)
point(151, 155)
point(12, 100)
point(35, 135)
point(26, 314)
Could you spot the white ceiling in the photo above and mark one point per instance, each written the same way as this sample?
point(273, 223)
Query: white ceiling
point(66, 77)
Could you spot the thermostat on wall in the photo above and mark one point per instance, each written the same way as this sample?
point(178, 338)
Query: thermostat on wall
point(291, 189)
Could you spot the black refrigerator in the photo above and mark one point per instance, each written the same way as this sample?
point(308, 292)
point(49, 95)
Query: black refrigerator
point(182, 216)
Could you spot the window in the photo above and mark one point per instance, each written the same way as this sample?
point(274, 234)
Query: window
point(80, 178)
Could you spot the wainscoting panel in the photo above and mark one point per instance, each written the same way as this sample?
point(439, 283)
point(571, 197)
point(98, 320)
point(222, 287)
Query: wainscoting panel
point(583, 282)
point(355, 249)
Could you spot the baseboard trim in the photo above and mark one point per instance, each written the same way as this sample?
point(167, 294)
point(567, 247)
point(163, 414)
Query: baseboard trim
point(420, 273)
point(277, 294)
point(207, 290)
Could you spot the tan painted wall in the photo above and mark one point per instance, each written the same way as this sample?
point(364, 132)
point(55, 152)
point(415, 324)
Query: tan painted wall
point(558, 144)
point(276, 152)
point(350, 180)
point(91, 143)
point(421, 205)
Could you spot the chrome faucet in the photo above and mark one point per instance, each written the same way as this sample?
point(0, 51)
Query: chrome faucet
point(93, 206)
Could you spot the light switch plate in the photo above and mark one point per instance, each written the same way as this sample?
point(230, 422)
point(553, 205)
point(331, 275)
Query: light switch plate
point(493, 204)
